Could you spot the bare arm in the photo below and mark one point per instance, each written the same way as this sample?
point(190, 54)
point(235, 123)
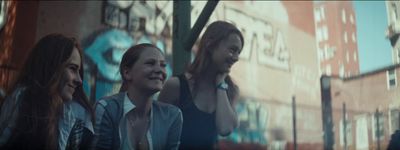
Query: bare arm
point(170, 92)
point(226, 117)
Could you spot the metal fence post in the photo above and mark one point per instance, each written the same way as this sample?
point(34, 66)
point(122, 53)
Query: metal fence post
point(377, 134)
point(294, 122)
point(344, 126)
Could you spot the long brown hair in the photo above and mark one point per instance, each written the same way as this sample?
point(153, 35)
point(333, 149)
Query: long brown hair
point(41, 105)
point(215, 33)
point(129, 59)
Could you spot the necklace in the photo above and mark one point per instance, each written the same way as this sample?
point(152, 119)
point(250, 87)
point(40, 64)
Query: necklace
point(138, 131)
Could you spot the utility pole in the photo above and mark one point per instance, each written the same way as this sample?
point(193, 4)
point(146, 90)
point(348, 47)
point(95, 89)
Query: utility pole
point(294, 122)
point(184, 37)
point(327, 122)
point(344, 126)
point(180, 28)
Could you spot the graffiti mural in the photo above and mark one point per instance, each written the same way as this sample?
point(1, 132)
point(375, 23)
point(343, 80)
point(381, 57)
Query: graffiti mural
point(130, 23)
point(133, 22)
point(104, 55)
point(151, 17)
point(268, 44)
point(107, 50)
point(253, 123)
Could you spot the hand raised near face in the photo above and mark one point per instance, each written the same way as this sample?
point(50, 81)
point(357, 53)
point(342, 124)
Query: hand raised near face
point(220, 78)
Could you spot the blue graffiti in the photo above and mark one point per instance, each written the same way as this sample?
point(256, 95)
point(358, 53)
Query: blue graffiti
point(107, 50)
point(252, 117)
point(105, 53)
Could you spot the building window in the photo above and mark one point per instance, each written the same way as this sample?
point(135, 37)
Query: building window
point(351, 19)
point(355, 56)
point(322, 12)
point(398, 55)
point(319, 35)
point(381, 128)
point(394, 13)
point(394, 120)
point(328, 70)
point(391, 78)
point(343, 16)
point(320, 54)
point(345, 37)
point(353, 37)
point(347, 56)
point(317, 15)
point(329, 52)
point(325, 32)
point(341, 70)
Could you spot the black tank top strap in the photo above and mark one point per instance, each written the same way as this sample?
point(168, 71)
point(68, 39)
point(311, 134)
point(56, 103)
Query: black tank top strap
point(185, 95)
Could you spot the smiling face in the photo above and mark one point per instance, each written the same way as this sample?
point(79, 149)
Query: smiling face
point(70, 78)
point(227, 53)
point(148, 72)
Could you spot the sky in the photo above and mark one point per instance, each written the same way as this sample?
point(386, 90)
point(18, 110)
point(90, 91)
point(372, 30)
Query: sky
point(373, 47)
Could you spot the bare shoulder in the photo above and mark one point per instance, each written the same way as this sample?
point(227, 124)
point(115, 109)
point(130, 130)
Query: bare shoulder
point(173, 80)
point(170, 92)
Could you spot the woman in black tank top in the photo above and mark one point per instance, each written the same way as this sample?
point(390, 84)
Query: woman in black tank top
point(206, 93)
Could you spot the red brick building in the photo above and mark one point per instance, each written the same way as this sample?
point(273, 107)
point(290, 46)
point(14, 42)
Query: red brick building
point(363, 95)
point(335, 30)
